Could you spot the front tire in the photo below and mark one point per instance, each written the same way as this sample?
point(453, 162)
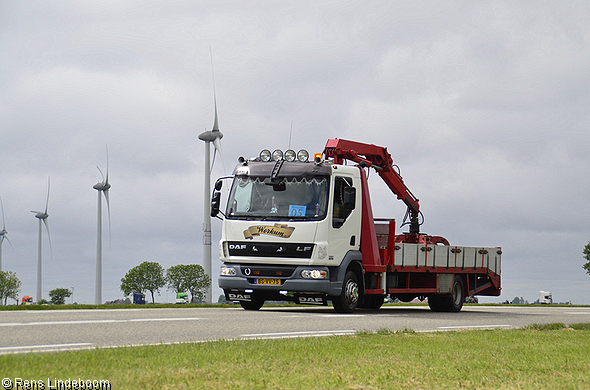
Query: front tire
point(348, 299)
point(373, 301)
point(255, 304)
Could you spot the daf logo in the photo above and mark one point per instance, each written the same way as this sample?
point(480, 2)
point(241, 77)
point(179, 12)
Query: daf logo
point(247, 271)
point(239, 297)
point(312, 300)
point(237, 246)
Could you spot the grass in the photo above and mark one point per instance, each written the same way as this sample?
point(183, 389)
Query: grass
point(551, 356)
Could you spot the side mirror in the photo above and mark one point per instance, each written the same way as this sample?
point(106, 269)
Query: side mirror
point(349, 198)
point(218, 185)
point(215, 202)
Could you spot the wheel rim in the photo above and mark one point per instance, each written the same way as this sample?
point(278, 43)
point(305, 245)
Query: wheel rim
point(457, 294)
point(351, 292)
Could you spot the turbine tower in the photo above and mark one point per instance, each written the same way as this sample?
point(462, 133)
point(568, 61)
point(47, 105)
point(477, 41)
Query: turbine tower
point(214, 135)
point(3, 233)
point(42, 216)
point(102, 187)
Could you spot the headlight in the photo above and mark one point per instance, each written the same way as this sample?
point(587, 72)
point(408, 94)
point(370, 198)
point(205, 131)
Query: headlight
point(314, 274)
point(227, 271)
point(290, 155)
point(302, 155)
point(265, 155)
point(277, 155)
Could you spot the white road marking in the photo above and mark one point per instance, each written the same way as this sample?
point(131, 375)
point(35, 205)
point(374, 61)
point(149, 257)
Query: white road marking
point(44, 348)
point(473, 327)
point(84, 322)
point(285, 335)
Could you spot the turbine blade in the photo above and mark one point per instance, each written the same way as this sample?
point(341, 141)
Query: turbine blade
point(48, 236)
point(101, 174)
point(3, 221)
point(8, 239)
point(107, 177)
point(217, 144)
point(106, 195)
point(47, 202)
point(215, 122)
point(213, 160)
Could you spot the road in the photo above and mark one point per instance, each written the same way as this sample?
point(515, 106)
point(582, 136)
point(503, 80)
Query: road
point(55, 330)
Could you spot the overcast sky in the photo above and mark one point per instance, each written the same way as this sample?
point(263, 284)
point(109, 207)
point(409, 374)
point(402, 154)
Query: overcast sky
point(484, 105)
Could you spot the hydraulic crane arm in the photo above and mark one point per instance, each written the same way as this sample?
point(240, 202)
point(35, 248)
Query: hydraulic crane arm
point(377, 157)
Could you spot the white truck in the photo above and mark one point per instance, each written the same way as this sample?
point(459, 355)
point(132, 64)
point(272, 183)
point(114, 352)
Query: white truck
point(545, 297)
point(303, 231)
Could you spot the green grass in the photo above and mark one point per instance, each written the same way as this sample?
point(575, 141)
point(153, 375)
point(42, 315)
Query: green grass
point(551, 356)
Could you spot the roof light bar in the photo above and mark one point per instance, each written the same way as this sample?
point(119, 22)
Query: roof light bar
point(289, 155)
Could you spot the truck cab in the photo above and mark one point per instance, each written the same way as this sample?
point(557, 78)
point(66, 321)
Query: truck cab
point(289, 228)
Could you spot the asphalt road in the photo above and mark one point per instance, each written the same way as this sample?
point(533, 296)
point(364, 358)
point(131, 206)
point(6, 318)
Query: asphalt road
point(54, 330)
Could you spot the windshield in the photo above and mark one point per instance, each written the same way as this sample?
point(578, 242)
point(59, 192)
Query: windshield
point(302, 198)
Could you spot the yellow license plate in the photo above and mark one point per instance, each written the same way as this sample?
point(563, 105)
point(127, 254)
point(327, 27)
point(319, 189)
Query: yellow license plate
point(269, 281)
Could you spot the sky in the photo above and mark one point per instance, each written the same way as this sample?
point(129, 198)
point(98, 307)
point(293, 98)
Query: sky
point(484, 106)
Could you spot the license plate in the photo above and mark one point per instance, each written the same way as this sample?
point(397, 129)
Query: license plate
point(269, 281)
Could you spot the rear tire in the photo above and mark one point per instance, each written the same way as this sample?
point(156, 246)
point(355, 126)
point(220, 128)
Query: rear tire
point(455, 301)
point(436, 303)
point(452, 303)
point(348, 299)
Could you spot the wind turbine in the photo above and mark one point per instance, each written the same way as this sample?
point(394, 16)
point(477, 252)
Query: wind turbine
point(3, 233)
point(102, 187)
point(214, 135)
point(42, 216)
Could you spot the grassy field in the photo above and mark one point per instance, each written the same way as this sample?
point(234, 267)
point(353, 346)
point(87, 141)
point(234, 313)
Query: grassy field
point(539, 357)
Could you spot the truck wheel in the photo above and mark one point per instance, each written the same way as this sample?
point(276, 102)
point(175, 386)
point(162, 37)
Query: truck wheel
point(436, 303)
point(347, 300)
point(373, 301)
point(454, 303)
point(255, 304)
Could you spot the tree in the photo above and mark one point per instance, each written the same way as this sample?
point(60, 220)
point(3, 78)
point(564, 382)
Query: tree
point(148, 276)
point(9, 286)
point(58, 295)
point(197, 282)
point(586, 253)
point(191, 278)
point(175, 276)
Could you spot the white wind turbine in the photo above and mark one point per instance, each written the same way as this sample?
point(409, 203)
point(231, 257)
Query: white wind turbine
point(214, 135)
point(42, 216)
point(3, 233)
point(102, 187)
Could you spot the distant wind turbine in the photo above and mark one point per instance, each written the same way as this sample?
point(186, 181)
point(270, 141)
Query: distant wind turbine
point(42, 216)
point(103, 187)
point(3, 233)
point(214, 135)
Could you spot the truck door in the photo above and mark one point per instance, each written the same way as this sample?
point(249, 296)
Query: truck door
point(344, 230)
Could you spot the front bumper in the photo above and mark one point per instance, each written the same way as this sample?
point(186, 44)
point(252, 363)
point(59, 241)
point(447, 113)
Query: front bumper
point(293, 282)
